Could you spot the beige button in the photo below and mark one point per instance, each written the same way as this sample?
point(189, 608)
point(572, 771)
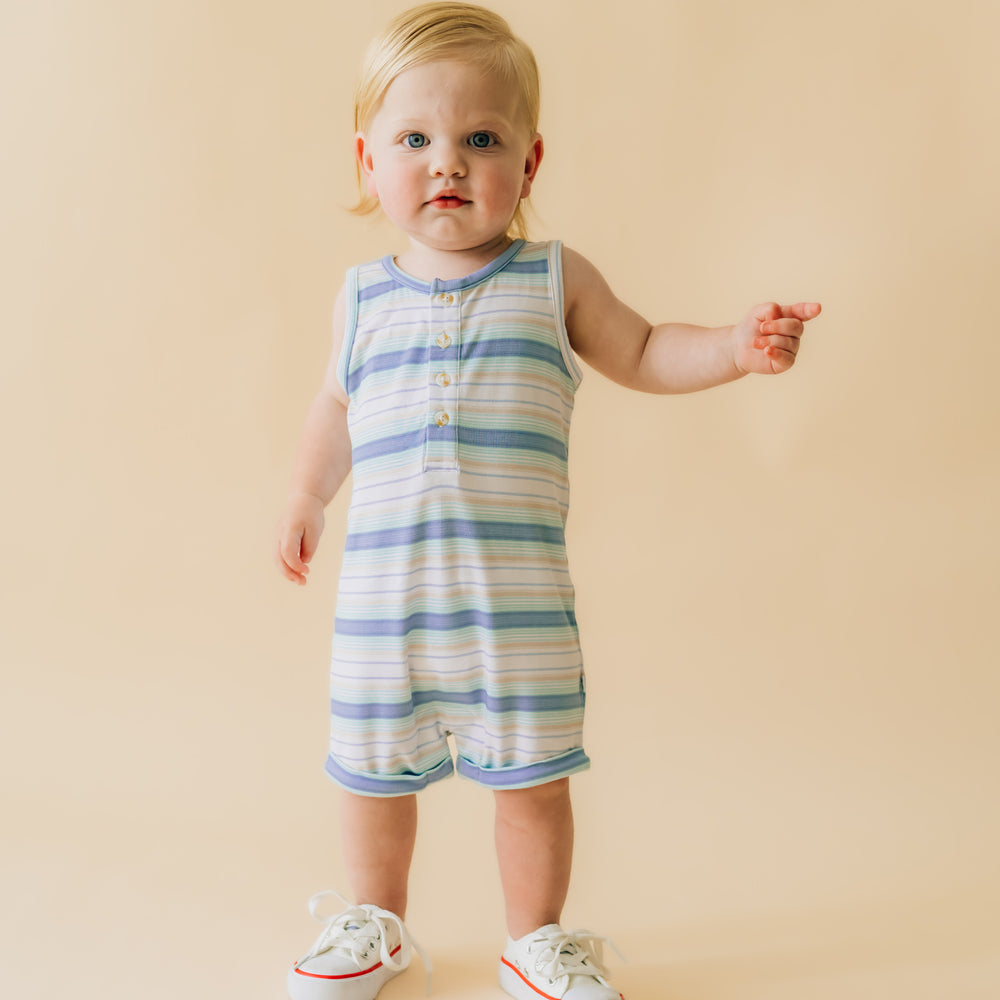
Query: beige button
point(447, 298)
point(443, 341)
point(443, 380)
point(441, 418)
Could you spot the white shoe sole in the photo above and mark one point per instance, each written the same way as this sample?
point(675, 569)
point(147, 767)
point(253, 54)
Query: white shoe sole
point(514, 984)
point(363, 987)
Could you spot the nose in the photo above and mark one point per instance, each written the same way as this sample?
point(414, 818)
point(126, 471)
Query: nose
point(448, 160)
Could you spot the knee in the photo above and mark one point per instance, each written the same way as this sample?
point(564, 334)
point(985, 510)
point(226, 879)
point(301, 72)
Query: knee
point(515, 802)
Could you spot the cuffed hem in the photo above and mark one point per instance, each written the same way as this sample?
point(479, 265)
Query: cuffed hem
point(385, 785)
point(526, 775)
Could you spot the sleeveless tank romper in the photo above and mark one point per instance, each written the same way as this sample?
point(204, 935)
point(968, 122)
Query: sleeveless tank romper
point(455, 612)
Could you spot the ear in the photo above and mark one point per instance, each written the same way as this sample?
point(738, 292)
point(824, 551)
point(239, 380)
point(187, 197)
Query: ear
point(362, 153)
point(531, 162)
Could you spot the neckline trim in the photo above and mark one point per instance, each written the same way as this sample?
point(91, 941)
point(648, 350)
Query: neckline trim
point(452, 284)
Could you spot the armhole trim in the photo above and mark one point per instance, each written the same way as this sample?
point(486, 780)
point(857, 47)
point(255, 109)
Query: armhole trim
point(559, 307)
point(350, 326)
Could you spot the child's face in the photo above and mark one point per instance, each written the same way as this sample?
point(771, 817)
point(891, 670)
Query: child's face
point(449, 156)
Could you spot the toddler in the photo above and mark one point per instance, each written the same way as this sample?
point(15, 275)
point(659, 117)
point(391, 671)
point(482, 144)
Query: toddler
point(449, 393)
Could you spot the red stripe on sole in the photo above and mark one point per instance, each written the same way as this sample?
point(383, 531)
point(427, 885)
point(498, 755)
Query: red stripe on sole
point(520, 975)
point(348, 975)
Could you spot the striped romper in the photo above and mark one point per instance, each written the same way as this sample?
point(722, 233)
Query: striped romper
point(455, 607)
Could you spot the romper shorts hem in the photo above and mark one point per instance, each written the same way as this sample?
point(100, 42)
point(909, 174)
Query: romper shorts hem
point(497, 778)
point(385, 785)
point(525, 775)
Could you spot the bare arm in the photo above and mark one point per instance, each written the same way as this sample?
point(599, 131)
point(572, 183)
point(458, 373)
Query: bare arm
point(673, 357)
point(322, 463)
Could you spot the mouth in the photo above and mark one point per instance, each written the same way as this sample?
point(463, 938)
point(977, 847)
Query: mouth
point(447, 199)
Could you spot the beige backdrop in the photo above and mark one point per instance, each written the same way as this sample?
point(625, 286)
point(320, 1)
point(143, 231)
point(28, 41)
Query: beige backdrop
point(787, 588)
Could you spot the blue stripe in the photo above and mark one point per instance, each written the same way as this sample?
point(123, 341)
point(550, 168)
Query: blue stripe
point(453, 527)
point(389, 361)
point(471, 437)
point(429, 621)
point(396, 444)
point(512, 347)
point(481, 437)
point(476, 349)
point(404, 783)
point(534, 704)
point(528, 266)
point(526, 775)
point(377, 290)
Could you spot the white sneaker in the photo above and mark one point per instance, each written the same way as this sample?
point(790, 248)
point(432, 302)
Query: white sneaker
point(359, 951)
point(553, 964)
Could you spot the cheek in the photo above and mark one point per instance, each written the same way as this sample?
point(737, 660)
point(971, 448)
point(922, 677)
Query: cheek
point(505, 184)
point(392, 186)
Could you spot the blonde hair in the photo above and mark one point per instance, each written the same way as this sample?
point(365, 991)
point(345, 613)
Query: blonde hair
point(446, 30)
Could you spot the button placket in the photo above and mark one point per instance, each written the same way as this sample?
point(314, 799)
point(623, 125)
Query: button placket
point(442, 380)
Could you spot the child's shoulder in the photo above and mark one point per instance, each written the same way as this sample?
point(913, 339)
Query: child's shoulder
point(368, 267)
point(582, 281)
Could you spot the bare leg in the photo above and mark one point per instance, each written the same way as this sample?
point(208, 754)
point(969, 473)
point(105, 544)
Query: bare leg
point(534, 837)
point(378, 836)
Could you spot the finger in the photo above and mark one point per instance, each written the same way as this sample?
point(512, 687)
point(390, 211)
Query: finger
point(788, 344)
point(290, 549)
point(780, 360)
point(286, 571)
point(802, 310)
point(766, 311)
point(310, 543)
point(782, 327)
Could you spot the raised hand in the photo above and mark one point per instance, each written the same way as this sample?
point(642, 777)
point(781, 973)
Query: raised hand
point(766, 340)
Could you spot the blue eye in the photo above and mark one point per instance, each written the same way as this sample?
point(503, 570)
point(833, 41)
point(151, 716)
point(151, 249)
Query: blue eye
point(481, 140)
point(415, 140)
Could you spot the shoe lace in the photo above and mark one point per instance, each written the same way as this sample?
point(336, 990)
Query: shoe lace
point(356, 931)
point(572, 953)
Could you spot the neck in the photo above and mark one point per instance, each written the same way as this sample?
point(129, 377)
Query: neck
point(428, 263)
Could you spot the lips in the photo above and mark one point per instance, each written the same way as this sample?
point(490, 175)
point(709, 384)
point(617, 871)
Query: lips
point(447, 199)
